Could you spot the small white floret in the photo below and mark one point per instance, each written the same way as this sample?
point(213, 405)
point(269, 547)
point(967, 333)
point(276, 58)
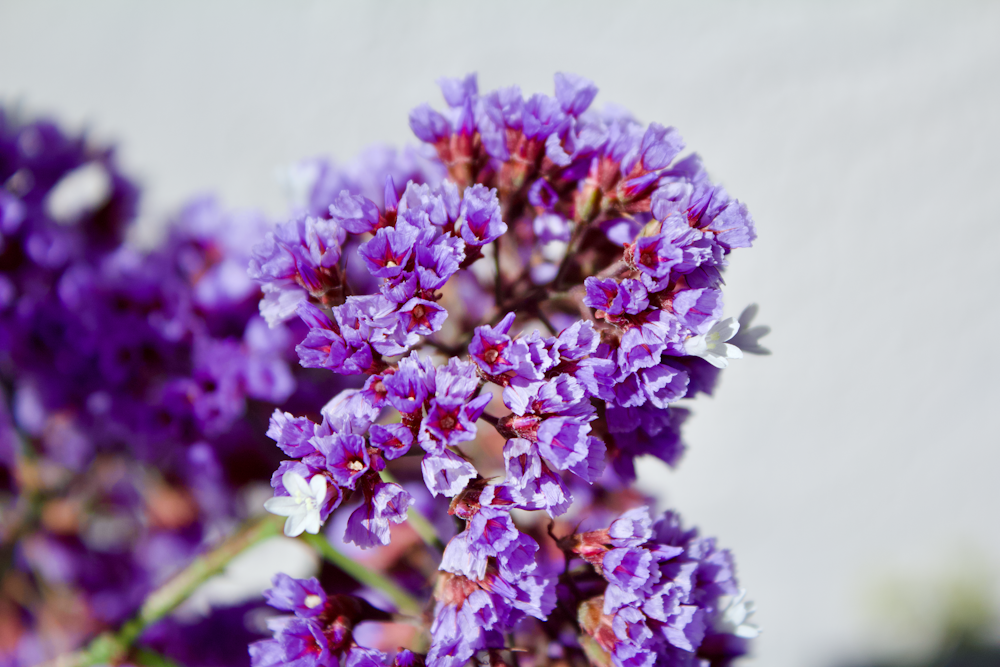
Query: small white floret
point(712, 346)
point(81, 191)
point(302, 505)
point(733, 619)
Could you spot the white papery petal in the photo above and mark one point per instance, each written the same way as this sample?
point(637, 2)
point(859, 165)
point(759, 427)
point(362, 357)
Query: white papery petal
point(726, 328)
point(282, 505)
point(317, 488)
point(296, 524)
point(715, 359)
point(696, 346)
point(312, 522)
point(731, 351)
point(295, 484)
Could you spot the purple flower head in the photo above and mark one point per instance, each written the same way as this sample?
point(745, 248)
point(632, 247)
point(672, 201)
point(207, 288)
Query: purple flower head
point(387, 254)
point(385, 504)
point(602, 294)
point(541, 116)
point(305, 597)
point(698, 309)
point(410, 385)
point(428, 125)
point(346, 457)
point(422, 317)
point(452, 420)
point(663, 384)
point(574, 92)
point(632, 528)
point(292, 433)
point(480, 221)
point(578, 340)
point(660, 145)
point(298, 643)
point(441, 205)
point(355, 213)
point(446, 473)
point(563, 441)
point(493, 350)
point(542, 195)
point(457, 91)
point(611, 268)
point(627, 567)
point(407, 658)
point(394, 440)
point(656, 255)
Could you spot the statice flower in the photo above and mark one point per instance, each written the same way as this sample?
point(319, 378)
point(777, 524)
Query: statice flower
point(320, 631)
point(669, 597)
point(131, 381)
point(531, 312)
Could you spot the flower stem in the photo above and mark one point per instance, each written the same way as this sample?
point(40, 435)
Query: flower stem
point(405, 602)
point(109, 647)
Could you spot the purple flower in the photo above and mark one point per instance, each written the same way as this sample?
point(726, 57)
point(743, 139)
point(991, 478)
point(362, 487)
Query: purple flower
point(387, 254)
point(422, 317)
point(492, 349)
point(574, 92)
point(411, 384)
point(354, 213)
point(394, 440)
point(480, 221)
point(297, 643)
point(346, 457)
point(457, 91)
point(384, 504)
point(291, 433)
point(305, 597)
point(541, 116)
point(563, 441)
point(429, 125)
point(610, 275)
point(446, 473)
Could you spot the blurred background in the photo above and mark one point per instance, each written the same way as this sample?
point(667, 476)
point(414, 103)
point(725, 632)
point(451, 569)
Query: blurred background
point(854, 471)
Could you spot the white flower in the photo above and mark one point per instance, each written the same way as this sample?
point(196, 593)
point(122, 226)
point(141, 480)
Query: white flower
point(81, 191)
point(302, 505)
point(712, 347)
point(733, 619)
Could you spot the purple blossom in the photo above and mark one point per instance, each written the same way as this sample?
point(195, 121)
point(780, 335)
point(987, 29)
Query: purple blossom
point(386, 255)
point(354, 213)
point(457, 91)
point(429, 125)
point(346, 457)
point(446, 473)
point(574, 92)
point(612, 246)
point(305, 597)
point(480, 221)
point(385, 504)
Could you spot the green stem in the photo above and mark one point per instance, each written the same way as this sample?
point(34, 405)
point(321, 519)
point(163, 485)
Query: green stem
point(417, 520)
point(405, 602)
point(111, 647)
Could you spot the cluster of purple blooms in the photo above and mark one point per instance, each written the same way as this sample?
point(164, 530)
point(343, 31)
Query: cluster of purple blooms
point(539, 293)
point(132, 383)
point(669, 594)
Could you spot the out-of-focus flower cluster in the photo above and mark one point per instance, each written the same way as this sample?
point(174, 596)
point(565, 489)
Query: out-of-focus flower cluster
point(133, 387)
point(526, 311)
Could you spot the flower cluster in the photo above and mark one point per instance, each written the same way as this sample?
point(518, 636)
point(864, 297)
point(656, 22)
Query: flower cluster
point(669, 594)
point(525, 310)
point(320, 631)
point(129, 385)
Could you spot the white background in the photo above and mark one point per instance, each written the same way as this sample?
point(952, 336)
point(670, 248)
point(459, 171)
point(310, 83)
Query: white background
point(861, 458)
